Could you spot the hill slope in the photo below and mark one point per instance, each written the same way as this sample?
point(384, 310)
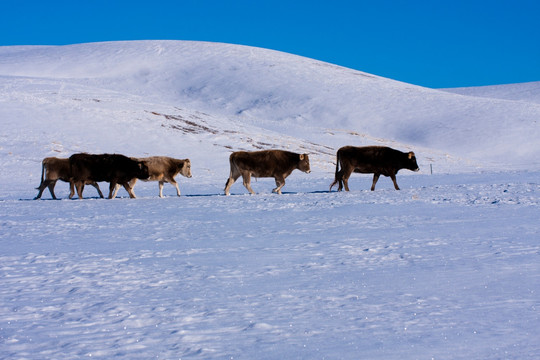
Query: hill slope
point(526, 92)
point(192, 99)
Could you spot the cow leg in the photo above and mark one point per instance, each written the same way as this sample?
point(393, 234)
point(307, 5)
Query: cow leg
point(71, 189)
point(246, 176)
point(51, 188)
point(112, 190)
point(232, 178)
point(161, 189)
point(38, 196)
point(95, 184)
point(175, 183)
point(337, 179)
point(80, 187)
point(41, 188)
point(228, 185)
point(345, 178)
point(375, 179)
point(340, 180)
point(280, 182)
point(116, 188)
point(129, 190)
point(393, 177)
point(131, 183)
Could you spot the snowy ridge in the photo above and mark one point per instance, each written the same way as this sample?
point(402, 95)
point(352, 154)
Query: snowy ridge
point(527, 92)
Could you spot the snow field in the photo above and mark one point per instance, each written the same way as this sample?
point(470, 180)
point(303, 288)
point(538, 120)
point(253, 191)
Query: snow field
point(385, 274)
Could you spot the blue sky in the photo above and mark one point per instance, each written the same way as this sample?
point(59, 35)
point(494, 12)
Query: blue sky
point(430, 43)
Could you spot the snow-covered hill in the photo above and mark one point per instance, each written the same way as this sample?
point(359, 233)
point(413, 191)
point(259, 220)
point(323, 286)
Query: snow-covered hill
point(527, 92)
point(188, 99)
point(446, 268)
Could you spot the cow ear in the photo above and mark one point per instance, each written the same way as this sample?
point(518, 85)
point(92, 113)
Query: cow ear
point(302, 156)
point(411, 154)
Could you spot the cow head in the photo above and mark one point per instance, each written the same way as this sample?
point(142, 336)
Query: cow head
point(411, 163)
point(186, 168)
point(142, 170)
point(303, 164)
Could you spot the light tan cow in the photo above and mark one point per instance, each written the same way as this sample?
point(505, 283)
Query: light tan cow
point(164, 169)
point(54, 169)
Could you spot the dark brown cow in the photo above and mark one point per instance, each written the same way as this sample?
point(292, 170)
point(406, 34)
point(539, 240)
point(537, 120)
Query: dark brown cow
point(376, 160)
point(54, 169)
point(164, 169)
point(267, 163)
point(113, 168)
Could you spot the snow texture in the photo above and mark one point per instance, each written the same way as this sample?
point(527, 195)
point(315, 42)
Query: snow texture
point(446, 268)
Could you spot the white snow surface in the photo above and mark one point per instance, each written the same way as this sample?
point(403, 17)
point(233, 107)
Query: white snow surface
point(446, 268)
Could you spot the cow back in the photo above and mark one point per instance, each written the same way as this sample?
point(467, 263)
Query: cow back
point(376, 159)
point(106, 167)
point(269, 163)
point(56, 168)
point(164, 166)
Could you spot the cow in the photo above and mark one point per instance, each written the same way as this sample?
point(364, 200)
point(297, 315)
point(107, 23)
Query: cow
point(54, 169)
point(376, 160)
point(164, 169)
point(266, 163)
point(113, 168)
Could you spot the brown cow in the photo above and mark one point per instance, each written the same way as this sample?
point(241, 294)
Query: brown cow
point(267, 163)
point(164, 169)
point(54, 169)
point(376, 160)
point(113, 168)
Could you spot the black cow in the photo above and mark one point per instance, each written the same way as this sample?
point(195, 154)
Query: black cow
point(266, 163)
point(377, 160)
point(113, 168)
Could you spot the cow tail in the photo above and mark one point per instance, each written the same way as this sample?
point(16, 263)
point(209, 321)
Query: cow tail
point(336, 180)
point(42, 174)
point(231, 165)
point(71, 177)
point(337, 162)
